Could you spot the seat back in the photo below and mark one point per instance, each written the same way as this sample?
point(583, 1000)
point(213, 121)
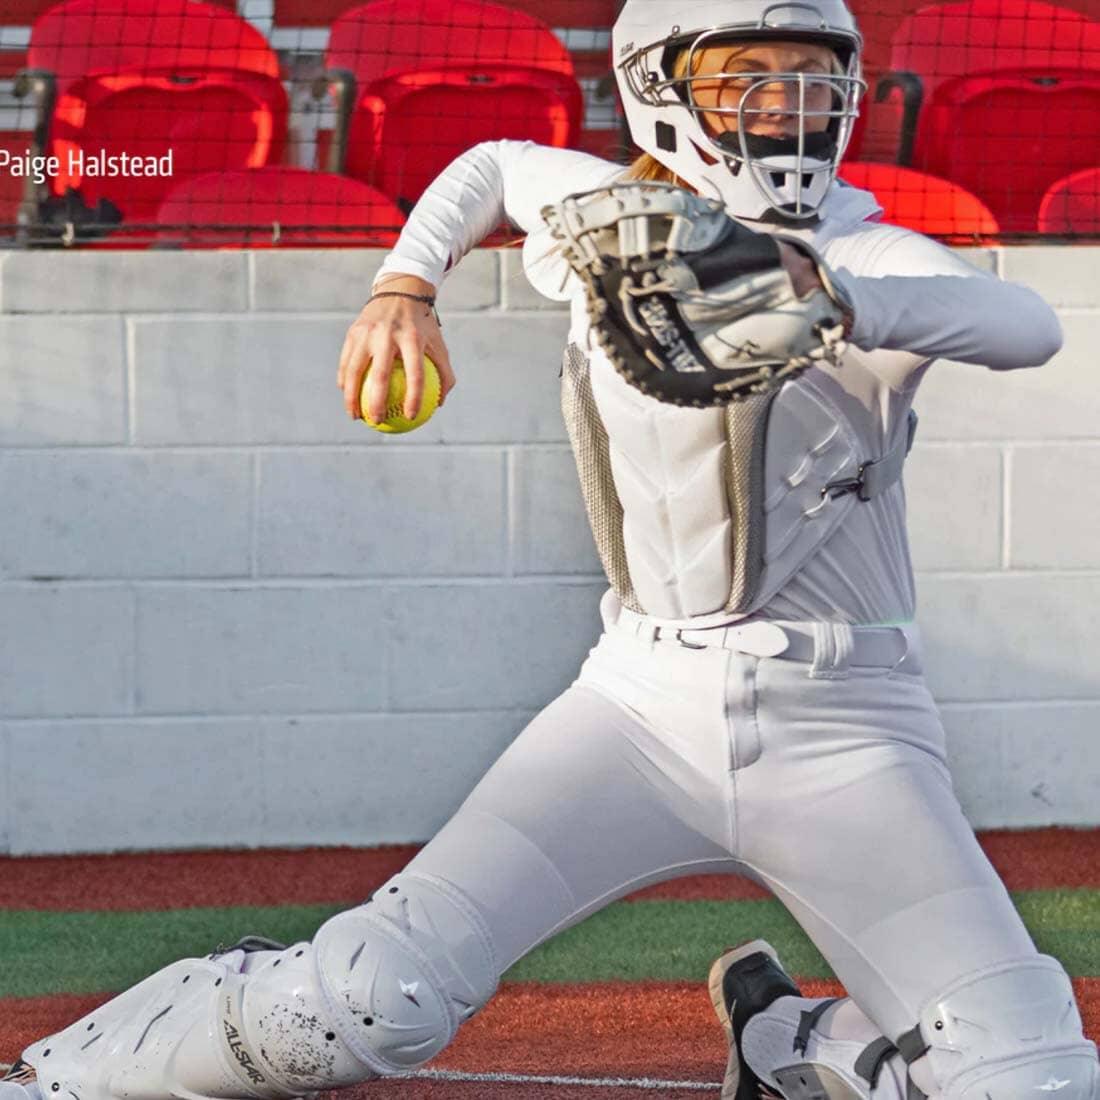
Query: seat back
point(925, 203)
point(435, 77)
point(1008, 139)
point(1072, 204)
point(944, 41)
point(278, 206)
point(1011, 98)
point(176, 79)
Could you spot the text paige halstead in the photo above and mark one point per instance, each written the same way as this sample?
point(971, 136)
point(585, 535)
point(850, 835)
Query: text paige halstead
point(78, 163)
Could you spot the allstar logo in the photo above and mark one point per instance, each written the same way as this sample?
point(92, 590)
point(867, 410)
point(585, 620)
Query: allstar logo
point(1053, 1085)
point(233, 1038)
point(408, 991)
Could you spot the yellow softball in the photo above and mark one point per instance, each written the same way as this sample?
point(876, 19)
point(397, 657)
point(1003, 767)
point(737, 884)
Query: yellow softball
point(395, 419)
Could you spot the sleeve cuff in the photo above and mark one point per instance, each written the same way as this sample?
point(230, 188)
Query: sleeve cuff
point(399, 265)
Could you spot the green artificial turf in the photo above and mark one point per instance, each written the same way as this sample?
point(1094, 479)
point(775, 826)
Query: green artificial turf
point(65, 952)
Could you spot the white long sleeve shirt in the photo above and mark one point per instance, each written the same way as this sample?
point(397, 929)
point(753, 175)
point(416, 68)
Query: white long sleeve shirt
point(914, 301)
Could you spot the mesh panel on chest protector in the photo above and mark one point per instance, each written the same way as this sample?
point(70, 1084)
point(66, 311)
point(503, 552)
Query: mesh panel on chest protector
point(745, 424)
point(592, 455)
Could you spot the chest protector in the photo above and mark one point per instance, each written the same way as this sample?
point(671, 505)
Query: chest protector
point(706, 513)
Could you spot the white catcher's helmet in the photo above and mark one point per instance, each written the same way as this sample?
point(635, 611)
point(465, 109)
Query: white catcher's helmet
point(755, 177)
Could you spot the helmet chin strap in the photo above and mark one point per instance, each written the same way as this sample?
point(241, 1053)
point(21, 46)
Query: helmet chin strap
point(819, 146)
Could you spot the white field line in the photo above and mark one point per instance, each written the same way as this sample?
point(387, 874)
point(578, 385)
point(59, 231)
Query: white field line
point(540, 1079)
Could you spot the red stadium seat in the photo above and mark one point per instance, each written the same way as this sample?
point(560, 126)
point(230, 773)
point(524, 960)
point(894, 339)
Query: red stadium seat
point(1003, 98)
point(922, 202)
point(1072, 204)
point(264, 207)
point(435, 77)
point(149, 77)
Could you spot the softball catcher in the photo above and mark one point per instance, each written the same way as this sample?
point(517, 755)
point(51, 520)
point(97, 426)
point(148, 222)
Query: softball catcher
point(743, 355)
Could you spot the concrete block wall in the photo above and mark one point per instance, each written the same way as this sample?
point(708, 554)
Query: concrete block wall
point(229, 616)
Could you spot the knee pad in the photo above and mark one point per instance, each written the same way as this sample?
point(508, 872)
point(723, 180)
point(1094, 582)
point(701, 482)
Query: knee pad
point(400, 973)
point(1007, 1032)
point(381, 989)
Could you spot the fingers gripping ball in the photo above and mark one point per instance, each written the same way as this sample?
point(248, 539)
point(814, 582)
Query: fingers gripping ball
point(690, 306)
point(395, 420)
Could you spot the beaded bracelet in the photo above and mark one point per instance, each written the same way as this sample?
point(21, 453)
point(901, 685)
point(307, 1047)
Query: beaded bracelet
point(427, 299)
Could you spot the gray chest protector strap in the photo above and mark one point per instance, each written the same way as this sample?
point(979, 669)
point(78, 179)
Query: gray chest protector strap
point(876, 477)
point(793, 469)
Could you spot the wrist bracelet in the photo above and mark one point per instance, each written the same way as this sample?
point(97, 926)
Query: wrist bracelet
point(427, 299)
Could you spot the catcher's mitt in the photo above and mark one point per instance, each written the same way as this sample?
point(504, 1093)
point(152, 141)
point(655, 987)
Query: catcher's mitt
point(690, 306)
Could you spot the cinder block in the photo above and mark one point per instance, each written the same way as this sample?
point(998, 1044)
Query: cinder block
point(340, 780)
point(488, 646)
point(65, 651)
point(112, 786)
point(1065, 277)
point(953, 498)
point(964, 403)
point(123, 282)
point(62, 382)
point(322, 279)
point(473, 284)
point(1025, 766)
point(984, 259)
point(1054, 505)
point(1010, 637)
point(516, 290)
point(508, 380)
point(246, 380)
point(260, 650)
point(552, 534)
point(403, 513)
point(112, 514)
point(265, 380)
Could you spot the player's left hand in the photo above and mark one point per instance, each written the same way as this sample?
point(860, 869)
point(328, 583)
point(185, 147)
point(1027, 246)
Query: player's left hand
point(691, 306)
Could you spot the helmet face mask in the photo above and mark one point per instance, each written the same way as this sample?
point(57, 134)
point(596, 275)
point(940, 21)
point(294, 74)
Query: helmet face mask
point(722, 144)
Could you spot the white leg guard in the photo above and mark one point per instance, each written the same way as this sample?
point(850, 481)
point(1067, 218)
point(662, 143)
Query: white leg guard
point(1009, 1032)
point(1005, 1033)
point(381, 989)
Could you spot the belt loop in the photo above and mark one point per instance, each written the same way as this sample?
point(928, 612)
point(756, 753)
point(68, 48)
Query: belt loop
point(833, 644)
point(908, 648)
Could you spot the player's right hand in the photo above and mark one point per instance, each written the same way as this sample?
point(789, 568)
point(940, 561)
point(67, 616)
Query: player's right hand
point(389, 327)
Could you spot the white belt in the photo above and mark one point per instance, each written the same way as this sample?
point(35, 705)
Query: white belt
point(870, 646)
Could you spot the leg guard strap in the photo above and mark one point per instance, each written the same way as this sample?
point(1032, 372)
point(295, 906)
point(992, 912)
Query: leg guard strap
point(872, 1058)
